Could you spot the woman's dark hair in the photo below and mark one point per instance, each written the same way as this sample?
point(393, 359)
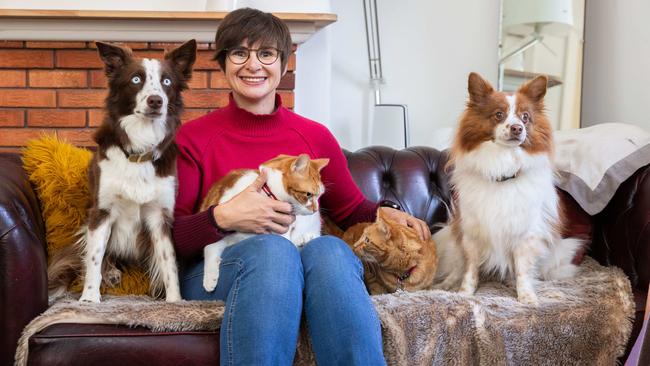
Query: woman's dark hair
point(252, 25)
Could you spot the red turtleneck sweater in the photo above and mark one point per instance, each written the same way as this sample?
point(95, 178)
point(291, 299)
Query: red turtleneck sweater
point(232, 138)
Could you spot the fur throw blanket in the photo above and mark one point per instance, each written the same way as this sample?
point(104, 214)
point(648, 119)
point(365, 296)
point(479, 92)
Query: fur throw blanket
point(582, 321)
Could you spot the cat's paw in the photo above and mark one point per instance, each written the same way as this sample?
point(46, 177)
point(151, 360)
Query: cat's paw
point(304, 239)
point(210, 280)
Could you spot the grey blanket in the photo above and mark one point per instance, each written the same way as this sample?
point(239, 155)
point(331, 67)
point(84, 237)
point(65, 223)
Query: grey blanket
point(582, 321)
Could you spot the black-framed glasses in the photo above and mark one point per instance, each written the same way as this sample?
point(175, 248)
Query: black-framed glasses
point(239, 55)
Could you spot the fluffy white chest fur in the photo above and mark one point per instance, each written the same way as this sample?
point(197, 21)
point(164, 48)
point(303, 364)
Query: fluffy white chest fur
point(129, 191)
point(306, 227)
point(500, 215)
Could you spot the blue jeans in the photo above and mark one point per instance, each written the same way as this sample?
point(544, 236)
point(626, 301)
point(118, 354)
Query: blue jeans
point(264, 281)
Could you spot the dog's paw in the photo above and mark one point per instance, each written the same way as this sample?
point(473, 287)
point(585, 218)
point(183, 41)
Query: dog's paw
point(90, 297)
point(468, 292)
point(445, 287)
point(172, 297)
point(527, 297)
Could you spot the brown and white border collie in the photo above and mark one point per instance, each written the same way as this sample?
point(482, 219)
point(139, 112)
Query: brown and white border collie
point(506, 218)
point(132, 175)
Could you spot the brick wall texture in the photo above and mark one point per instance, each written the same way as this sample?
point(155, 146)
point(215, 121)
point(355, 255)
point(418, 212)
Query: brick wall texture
point(60, 86)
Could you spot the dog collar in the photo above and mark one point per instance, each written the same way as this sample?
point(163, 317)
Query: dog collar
point(504, 178)
point(141, 158)
point(268, 192)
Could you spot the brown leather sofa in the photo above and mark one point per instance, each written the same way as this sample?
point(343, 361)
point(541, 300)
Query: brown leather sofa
point(414, 177)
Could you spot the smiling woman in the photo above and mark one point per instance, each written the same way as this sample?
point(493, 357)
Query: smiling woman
point(267, 274)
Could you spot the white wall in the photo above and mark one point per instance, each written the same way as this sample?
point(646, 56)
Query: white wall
point(314, 77)
point(428, 49)
point(616, 63)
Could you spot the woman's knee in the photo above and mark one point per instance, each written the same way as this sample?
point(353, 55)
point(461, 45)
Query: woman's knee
point(262, 247)
point(330, 252)
point(272, 254)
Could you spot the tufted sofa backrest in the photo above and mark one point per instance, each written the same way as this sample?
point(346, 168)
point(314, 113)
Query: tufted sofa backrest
point(414, 178)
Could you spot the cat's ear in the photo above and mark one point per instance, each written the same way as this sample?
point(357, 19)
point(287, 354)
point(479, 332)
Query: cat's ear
point(381, 215)
point(383, 227)
point(321, 163)
point(300, 165)
point(263, 169)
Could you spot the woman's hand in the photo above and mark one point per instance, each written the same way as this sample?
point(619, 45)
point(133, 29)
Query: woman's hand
point(252, 211)
point(403, 218)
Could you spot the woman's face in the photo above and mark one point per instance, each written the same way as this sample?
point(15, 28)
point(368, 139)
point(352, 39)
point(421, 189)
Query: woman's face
point(253, 83)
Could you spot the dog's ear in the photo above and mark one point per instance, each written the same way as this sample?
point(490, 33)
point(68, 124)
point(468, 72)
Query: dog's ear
point(183, 57)
point(535, 89)
point(478, 88)
point(114, 57)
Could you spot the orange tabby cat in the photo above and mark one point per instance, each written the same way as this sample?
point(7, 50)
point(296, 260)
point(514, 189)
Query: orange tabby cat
point(393, 256)
point(292, 179)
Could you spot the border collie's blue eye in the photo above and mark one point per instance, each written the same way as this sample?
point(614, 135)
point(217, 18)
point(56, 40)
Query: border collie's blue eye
point(167, 82)
point(136, 80)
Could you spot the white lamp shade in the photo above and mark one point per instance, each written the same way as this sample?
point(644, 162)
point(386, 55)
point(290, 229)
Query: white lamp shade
point(554, 16)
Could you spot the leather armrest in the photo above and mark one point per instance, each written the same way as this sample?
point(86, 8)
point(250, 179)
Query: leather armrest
point(621, 235)
point(23, 259)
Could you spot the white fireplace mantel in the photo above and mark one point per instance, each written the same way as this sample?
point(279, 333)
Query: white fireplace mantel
point(135, 26)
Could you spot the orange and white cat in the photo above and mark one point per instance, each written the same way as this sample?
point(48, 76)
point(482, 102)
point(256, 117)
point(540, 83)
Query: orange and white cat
point(293, 179)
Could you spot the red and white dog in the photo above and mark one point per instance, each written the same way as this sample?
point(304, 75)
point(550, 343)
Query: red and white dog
point(132, 175)
point(506, 218)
